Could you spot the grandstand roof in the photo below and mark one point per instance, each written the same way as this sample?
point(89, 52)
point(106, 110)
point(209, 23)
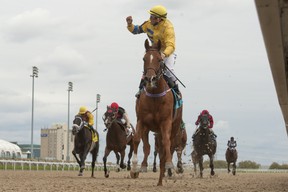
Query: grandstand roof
point(6, 146)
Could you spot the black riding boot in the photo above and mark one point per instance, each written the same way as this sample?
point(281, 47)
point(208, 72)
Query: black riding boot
point(172, 85)
point(176, 89)
point(141, 85)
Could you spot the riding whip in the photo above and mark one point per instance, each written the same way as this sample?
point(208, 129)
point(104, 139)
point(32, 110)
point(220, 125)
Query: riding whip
point(174, 75)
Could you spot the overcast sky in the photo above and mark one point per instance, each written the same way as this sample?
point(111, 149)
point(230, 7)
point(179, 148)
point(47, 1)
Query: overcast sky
point(221, 60)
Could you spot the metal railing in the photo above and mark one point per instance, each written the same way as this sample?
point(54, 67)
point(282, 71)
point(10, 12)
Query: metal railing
point(52, 166)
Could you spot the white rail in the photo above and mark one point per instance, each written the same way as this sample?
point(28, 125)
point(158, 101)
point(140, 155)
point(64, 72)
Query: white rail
point(59, 166)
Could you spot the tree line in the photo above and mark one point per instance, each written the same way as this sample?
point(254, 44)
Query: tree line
point(245, 165)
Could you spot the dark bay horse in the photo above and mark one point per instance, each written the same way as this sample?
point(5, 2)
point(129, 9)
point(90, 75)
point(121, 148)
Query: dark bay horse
point(180, 144)
point(116, 141)
point(231, 157)
point(204, 144)
point(83, 144)
point(155, 112)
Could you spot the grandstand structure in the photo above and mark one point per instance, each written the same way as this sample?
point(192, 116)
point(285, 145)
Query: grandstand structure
point(9, 150)
point(273, 17)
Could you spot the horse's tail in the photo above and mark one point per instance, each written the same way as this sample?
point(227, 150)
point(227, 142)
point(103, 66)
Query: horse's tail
point(97, 145)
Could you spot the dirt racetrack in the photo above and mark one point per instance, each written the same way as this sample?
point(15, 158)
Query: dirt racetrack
point(68, 181)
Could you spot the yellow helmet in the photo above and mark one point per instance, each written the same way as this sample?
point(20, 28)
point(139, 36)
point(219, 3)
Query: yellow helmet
point(159, 11)
point(82, 110)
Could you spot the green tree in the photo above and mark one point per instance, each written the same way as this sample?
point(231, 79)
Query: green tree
point(218, 164)
point(274, 165)
point(248, 165)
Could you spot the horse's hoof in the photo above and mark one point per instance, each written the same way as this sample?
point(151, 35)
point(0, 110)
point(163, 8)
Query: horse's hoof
point(123, 166)
point(134, 175)
point(143, 169)
point(80, 174)
point(128, 168)
point(154, 169)
point(179, 170)
point(106, 175)
point(117, 169)
point(170, 173)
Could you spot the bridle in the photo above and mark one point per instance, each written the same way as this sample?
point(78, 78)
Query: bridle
point(75, 127)
point(158, 72)
point(109, 118)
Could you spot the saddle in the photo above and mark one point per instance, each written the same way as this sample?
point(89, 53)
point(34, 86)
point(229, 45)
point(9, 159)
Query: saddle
point(93, 134)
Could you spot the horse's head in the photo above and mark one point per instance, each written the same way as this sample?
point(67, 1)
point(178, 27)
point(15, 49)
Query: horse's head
point(153, 64)
point(204, 121)
point(78, 124)
point(109, 116)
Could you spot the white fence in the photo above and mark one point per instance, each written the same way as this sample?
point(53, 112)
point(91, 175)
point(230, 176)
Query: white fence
point(38, 165)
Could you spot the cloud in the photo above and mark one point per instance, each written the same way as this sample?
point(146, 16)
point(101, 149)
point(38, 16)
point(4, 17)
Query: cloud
point(29, 25)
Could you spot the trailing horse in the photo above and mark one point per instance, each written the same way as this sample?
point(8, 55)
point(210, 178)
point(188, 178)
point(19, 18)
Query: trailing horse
point(204, 143)
point(155, 112)
point(83, 144)
point(116, 140)
point(231, 157)
point(180, 144)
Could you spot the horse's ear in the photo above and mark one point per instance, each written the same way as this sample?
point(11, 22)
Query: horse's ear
point(147, 44)
point(159, 45)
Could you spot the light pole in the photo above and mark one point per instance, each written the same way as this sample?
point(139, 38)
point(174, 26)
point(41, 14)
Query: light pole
point(70, 88)
point(34, 74)
point(97, 101)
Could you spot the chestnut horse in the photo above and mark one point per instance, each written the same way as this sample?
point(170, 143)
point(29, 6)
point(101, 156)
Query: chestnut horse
point(155, 112)
point(231, 157)
point(180, 144)
point(83, 144)
point(204, 144)
point(116, 140)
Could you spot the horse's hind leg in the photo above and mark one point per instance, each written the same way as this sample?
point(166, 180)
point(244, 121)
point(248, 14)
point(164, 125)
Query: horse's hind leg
point(129, 157)
point(94, 157)
point(154, 163)
point(179, 163)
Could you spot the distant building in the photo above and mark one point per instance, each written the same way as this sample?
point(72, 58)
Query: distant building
point(9, 150)
point(26, 150)
point(54, 143)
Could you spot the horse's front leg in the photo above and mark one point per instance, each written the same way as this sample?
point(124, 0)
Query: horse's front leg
point(107, 152)
point(234, 168)
point(83, 156)
point(166, 144)
point(201, 168)
point(228, 167)
point(134, 173)
point(212, 165)
point(82, 163)
point(146, 150)
point(162, 165)
point(77, 159)
point(122, 165)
